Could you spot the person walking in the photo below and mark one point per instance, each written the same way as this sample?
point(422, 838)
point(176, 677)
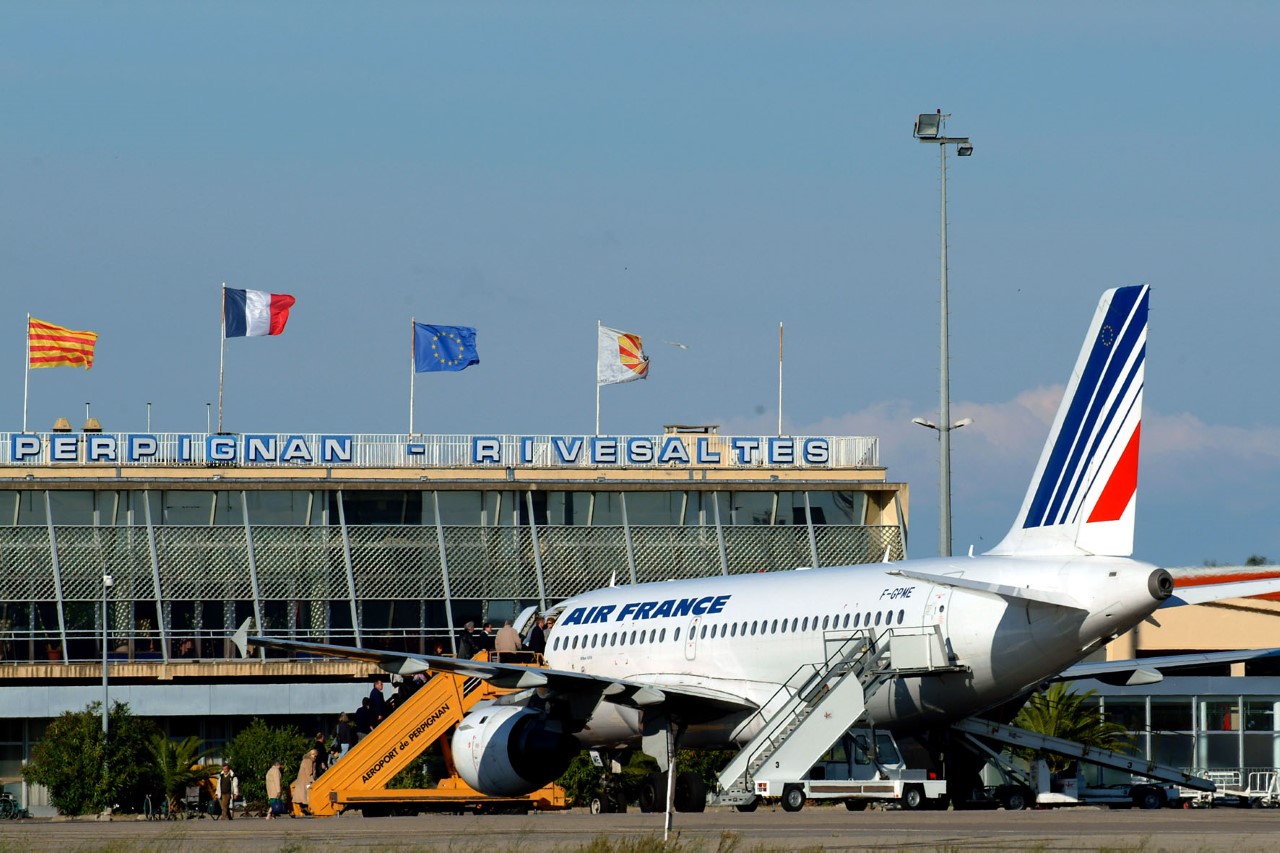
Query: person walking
point(508, 641)
point(322, 754)
point(536, 642)
point(467, 645)
point(302, 785)
point(228, 790)
point(346, 734)
point(377, 703)
point(275, 788)
point(364, 720)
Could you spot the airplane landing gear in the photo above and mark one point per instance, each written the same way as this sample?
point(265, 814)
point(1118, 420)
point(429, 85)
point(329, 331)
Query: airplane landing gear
point(690, 795)
point(612, 798)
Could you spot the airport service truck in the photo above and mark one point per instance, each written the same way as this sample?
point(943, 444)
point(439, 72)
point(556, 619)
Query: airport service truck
point(864, 766)
point(1073, 789)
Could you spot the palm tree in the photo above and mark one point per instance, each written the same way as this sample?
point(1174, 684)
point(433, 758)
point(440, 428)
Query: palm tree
point(177, 765)
point(1059, 713)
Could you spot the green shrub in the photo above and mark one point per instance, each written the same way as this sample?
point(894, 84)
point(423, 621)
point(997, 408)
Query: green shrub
point(68, 761)
point(252, 751)
point(583, 779)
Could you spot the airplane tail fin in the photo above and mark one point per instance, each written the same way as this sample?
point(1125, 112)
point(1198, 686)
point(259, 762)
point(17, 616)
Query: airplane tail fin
point(1081, 499)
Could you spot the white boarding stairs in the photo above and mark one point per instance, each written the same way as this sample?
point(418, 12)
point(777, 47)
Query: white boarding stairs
point(823, 702)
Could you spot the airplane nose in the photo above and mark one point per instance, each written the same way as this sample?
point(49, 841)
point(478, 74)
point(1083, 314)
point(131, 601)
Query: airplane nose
point(1160, 584)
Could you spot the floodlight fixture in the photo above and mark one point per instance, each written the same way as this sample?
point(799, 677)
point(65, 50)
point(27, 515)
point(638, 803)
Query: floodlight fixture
point(929, 125)
point(964, 150)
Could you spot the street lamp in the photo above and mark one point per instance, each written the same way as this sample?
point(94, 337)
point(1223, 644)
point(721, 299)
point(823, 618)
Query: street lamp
point(106, 592)
point(944, 440)
point(931, 128)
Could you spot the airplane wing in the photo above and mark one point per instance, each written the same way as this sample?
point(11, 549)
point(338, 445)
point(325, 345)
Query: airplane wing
point(689, 703)
point(1057, 599)
point(1188, 589)
point(1151, 670)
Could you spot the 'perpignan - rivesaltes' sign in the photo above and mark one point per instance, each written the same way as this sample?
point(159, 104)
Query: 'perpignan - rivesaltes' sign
point(400, 451)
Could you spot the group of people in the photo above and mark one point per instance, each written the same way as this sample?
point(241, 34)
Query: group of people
point(374, 708)
point(506, 642)
point(315, 761)
point(227, 786)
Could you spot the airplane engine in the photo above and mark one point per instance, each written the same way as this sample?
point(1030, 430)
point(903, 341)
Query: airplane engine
point(509, 750)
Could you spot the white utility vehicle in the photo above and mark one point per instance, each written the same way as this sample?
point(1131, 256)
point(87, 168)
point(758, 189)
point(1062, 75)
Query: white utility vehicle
point(864, 766)
point(1072, 789)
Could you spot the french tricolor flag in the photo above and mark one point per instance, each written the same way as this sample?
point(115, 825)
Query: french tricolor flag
point(253, 312)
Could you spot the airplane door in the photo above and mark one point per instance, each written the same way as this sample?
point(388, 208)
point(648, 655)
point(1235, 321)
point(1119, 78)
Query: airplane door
point(691, 642)
point(524, 622)
point(935, 614)
point(935, 611)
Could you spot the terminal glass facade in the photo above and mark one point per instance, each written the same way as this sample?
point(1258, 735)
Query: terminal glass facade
point(1208, 725)
point(383, 567)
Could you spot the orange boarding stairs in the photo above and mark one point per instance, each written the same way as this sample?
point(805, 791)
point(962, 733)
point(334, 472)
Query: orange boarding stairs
point(359, 780)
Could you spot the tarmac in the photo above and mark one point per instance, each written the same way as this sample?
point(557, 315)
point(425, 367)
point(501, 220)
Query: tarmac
point(715, 831)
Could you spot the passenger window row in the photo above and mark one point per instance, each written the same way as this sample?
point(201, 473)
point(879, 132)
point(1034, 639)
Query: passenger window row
point(731, 629)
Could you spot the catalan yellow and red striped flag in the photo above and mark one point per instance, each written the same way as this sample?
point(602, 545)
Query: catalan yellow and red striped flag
point(53, 346)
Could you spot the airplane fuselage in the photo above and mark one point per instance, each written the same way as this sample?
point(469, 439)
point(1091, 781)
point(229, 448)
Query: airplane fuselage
point(745, 636)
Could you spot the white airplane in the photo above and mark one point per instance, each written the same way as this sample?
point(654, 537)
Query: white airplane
point(707, 660)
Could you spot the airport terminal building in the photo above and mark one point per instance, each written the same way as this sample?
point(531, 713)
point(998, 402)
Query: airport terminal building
point(377, 541)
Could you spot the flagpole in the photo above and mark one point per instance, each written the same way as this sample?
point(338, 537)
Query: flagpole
point(26, 375)
point(779, 379)
point(598, 325)
point(413, 339)
point(222, 352)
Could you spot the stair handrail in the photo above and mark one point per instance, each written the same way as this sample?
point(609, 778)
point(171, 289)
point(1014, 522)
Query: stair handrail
point(811, 695)
point(860, 647)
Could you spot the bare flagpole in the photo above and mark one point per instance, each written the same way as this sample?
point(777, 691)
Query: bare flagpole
point(413, 340)
point(598, 325)
point(779, 379)
point(222, 352)
point(26, 375)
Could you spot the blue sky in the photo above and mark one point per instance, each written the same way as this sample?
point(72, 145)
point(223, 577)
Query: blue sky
point(692, 172)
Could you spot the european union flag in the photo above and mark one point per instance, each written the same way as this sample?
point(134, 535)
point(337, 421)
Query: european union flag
point(443, 348)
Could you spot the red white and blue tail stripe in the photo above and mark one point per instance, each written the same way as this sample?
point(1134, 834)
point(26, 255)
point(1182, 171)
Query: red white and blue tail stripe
point(1081, 499)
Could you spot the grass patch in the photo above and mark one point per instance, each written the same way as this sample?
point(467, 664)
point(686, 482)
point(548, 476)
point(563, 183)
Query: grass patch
point(728, 842)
